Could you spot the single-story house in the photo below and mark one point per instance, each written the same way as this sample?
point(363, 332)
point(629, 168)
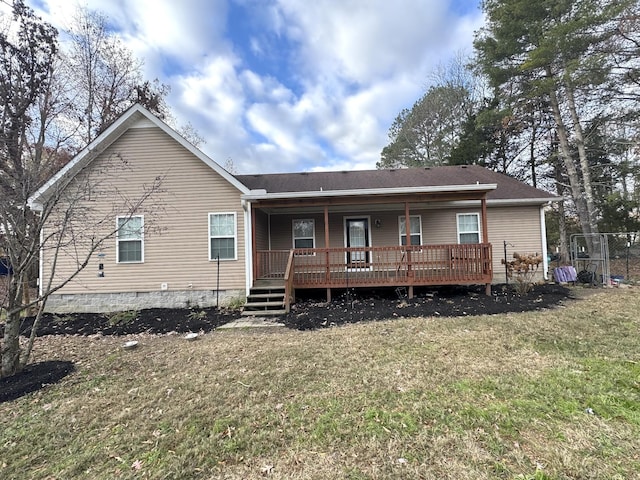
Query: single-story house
point(182, 231)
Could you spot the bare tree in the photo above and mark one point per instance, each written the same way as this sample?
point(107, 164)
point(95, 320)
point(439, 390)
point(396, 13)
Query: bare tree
point(32, 146)
point(28, 50)
point(72, 228)
point(426, 134)
point(106, 76)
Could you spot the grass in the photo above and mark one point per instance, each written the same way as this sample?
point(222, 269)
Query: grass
point(540, 396)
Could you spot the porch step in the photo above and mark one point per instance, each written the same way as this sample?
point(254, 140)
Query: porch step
point(275, 295)
point(265, 298)
point(265, 313)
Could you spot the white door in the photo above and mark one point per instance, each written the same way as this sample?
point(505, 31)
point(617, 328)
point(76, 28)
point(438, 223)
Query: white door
point(357, 235)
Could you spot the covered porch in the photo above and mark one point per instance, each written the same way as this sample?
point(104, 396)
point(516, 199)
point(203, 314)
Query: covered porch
point(398, 266)
point(361, 241)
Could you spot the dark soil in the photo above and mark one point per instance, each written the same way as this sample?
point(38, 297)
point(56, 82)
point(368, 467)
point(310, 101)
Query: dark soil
point(453, 301)
point(311, 312)
point(151, 320)
point(306, 314)
point(33, 377)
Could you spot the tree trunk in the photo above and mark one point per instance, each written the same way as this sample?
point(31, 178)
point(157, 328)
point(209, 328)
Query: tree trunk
point(532, 156)
point(562, 230)
point(584, 161)
point(575, 184)
point(10, 350)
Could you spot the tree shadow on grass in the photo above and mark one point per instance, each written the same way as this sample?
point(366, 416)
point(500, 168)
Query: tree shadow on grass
point(34, 377)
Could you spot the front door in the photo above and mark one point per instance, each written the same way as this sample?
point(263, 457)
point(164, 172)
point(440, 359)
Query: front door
point(357, 235)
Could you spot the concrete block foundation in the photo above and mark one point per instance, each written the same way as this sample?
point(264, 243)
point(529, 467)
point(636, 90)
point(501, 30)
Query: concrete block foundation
point(117, 302)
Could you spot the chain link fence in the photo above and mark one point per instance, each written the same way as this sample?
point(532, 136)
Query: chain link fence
point(614, 258)
point(624, 256)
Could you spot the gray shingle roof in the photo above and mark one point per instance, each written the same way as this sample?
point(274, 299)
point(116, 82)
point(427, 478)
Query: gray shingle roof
point(508, 188)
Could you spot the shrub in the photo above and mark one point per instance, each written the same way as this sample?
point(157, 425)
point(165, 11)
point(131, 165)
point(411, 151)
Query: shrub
point(522, 269)
point(122, 318)
point(197, 315)
point(235, 303)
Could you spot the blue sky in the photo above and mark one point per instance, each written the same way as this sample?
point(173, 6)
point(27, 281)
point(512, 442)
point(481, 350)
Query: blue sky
point(288, 85)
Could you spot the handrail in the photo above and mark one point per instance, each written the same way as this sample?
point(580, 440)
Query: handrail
point(288, 282)
point(392, 265)
point(341, 267)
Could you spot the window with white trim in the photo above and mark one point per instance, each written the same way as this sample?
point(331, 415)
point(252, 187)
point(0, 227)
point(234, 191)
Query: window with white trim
point(304, 233)
point(222, 236)
point(130, 239)
point(415, 229)
point(468, 228)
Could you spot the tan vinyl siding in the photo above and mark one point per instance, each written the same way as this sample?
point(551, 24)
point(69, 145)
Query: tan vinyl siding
point(438, 226)
point(262, 230)
point(519, 226)
point(176, 238)
point(282, 229)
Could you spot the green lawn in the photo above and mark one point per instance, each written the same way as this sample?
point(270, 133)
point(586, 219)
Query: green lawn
point(544, 395)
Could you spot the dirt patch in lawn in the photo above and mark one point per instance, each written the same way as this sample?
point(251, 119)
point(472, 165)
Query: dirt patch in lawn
point(150, 320)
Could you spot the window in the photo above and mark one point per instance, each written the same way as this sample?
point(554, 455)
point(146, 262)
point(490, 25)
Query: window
point(304, 233)
point(222, 236)
point(130, 239)
point(468, 228)
point(415, 230)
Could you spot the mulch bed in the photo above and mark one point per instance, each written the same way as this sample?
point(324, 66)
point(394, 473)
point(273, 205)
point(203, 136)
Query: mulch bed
point(150, 320)
point(34, 377)
point(453, 301)
point(312, 312)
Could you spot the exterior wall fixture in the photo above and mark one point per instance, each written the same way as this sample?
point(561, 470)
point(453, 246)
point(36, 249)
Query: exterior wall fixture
point(101, 265)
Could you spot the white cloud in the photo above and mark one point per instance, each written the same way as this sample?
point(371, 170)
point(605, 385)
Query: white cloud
point(344, 71)
point(364, 41)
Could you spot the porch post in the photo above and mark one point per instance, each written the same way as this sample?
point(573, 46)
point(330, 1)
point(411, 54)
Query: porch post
point(407, 231)
point(485, 234)
point(254, 252)
point(326, 246)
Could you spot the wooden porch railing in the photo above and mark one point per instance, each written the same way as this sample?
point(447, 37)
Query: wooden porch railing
point(272, 263)
point(289, 291)
point(379, 266)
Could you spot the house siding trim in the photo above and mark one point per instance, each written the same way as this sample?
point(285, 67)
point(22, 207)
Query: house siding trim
point(543, 236)
point(129, 120)
point(475, 188)
point(249, 241)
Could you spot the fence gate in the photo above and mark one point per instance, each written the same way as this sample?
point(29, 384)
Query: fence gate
point(590, 254)
point(624, 256)
point(615, 257)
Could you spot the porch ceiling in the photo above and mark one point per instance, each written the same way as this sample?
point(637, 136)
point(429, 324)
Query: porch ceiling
point(370, 202)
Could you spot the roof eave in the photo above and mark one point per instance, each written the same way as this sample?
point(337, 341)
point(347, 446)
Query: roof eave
point(523, 201)
point(256, 195)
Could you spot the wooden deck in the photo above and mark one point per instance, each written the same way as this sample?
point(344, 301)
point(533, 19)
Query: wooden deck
point(461, 264)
